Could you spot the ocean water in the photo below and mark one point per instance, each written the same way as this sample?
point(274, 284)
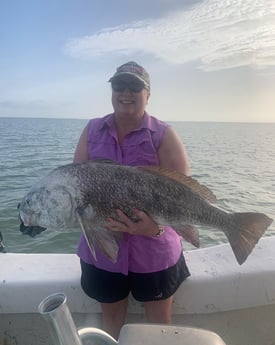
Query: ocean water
point(235, 160)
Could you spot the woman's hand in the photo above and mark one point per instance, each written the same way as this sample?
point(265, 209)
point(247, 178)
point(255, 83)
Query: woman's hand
point(145, 225)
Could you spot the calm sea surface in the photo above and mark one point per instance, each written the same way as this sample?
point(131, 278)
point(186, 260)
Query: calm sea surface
point(236, 160)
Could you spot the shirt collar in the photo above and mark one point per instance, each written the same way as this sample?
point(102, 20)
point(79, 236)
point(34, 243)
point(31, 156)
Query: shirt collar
point(146, 123)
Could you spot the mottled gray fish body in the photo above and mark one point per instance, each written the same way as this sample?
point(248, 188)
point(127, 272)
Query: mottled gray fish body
point(89, 193)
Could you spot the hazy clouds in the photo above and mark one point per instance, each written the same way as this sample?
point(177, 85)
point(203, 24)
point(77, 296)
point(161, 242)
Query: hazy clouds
point(218, 34)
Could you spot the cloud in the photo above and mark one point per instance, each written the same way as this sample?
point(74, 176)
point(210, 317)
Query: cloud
point(217, 34)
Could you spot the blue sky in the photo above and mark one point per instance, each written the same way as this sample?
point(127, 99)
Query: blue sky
point(209, 60)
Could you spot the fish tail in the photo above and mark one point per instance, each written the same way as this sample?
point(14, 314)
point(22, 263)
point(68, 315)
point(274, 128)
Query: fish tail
point(245, 231)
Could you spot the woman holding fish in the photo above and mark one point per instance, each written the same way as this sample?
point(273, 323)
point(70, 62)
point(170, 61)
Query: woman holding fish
point(150, 262)
point(123, 249)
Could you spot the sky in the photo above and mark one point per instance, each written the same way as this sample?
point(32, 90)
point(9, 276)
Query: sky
point(209, 60)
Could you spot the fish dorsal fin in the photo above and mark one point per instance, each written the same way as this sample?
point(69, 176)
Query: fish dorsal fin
point(188, 181)
point(105, 161)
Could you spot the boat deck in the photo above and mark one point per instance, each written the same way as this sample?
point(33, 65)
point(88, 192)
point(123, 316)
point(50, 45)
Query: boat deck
point(237, 302)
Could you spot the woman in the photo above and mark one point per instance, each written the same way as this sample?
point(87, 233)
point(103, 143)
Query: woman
point(150, 263)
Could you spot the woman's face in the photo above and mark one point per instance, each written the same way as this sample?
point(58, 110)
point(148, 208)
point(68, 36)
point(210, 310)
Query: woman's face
point(129, 97)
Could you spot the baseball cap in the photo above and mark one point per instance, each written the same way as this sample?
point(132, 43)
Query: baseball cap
point(135, 70)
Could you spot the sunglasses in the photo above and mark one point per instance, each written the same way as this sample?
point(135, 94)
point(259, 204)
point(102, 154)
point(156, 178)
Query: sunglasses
point(121, 86)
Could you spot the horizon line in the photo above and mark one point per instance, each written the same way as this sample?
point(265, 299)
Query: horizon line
point(86, 118)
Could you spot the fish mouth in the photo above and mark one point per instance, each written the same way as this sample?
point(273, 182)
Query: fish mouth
point(32, 231)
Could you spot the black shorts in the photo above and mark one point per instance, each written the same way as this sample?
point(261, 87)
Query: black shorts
point(109, 287)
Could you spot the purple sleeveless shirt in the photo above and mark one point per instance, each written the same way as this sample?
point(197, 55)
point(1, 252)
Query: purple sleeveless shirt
point(140, 254)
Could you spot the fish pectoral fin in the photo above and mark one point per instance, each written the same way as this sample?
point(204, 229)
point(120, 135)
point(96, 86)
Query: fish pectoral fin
point(85, 229)
point(108, 242)
point(187, 181)
point(245, 231)
point(189, 233)
point(99, 237)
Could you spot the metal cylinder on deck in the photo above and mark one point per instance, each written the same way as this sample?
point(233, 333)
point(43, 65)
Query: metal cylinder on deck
point(55, 311)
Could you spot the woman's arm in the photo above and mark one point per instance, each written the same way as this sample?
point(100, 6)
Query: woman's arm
point(172, 154)
point(81, 151)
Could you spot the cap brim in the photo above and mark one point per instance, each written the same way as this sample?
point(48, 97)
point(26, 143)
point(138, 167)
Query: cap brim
point(117, 76)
